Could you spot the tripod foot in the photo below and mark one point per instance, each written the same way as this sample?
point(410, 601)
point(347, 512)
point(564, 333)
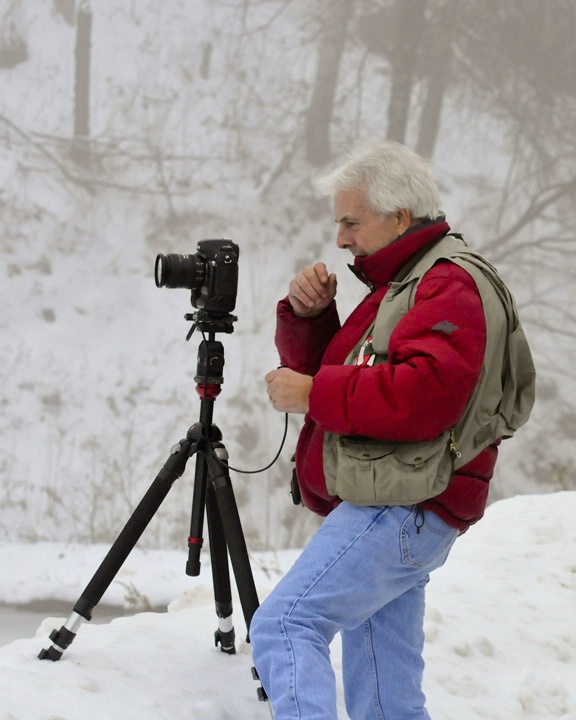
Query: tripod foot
point(225, 635)
point(226, 642)
point(61, 639)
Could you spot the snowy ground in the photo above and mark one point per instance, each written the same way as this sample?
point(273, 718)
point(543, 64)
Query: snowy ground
point(500, 628)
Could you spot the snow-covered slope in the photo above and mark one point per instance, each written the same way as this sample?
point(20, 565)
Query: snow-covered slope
point(500, 629)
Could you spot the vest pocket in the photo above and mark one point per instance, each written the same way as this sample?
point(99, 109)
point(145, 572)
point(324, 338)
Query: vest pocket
point(378, 472)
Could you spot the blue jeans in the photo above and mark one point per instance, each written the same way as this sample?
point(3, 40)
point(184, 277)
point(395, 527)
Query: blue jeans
point(363, 574)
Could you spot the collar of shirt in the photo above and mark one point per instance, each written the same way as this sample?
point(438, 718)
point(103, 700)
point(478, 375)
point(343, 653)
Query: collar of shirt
point(381, 267)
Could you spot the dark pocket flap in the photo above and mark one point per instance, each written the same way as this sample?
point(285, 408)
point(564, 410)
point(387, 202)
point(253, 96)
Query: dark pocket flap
point(420, 452)
point(363, 448)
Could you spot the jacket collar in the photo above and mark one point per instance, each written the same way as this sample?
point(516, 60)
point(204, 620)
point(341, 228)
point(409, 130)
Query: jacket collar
point(381, 267)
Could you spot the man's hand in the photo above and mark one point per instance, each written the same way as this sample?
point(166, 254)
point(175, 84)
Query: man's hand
point(312, 290)
point(288, 391)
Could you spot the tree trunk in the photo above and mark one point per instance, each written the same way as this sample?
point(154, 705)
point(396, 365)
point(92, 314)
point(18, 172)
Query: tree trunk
point(438, 63)
point(81, 144)
point(408, 20)
point(319, 115)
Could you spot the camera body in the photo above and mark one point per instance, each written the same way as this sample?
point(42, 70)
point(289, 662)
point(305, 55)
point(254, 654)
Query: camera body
point(211, 275)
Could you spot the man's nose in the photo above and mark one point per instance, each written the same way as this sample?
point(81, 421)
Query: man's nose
point(343, 238)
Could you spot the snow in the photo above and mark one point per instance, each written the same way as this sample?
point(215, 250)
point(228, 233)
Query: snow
point(500, 629)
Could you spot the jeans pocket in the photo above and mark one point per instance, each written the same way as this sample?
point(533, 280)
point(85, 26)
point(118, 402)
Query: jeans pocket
point(426, 541)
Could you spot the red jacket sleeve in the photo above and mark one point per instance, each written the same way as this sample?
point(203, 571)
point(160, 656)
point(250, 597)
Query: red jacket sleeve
point(302, 342)
point(435, 359)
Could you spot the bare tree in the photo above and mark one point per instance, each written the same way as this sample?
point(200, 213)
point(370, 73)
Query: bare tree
point(13, 47)
point(320, 110)
point(81, 146)
point(416, 38)
point(409, 21)
point(437, 65)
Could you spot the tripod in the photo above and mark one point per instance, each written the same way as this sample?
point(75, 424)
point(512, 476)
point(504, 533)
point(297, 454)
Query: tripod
point(213, 496)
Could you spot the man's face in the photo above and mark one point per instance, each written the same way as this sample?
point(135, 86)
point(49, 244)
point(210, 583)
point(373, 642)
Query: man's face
point(361, 230)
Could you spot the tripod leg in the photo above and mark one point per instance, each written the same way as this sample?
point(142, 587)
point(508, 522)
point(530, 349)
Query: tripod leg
point(219, 478)
point(225, 635)
point(144, 512)
point(195, 540)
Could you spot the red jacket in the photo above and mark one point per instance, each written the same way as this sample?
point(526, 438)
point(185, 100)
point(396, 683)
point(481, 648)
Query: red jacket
point(418, 394)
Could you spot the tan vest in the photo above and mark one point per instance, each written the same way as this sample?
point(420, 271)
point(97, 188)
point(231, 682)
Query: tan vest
point(367, 471)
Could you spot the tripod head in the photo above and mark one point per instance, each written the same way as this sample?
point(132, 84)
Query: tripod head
point(210, 368)
point(208, 322)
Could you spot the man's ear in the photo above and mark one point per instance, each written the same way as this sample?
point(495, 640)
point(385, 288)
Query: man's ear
point(403, 220)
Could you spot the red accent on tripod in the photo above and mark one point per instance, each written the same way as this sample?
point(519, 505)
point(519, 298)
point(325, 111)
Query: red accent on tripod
point(209, 391)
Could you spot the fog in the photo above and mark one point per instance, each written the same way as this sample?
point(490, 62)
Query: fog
point(131, 129)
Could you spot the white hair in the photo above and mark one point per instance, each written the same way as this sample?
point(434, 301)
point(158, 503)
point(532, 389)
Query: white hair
point(392, 176)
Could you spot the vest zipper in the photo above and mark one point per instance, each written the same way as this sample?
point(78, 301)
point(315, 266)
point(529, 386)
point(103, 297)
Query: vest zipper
point(453, 449)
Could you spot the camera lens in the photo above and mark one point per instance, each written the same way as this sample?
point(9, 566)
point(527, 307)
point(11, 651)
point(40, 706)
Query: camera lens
point(159, 270)
point(179, 271)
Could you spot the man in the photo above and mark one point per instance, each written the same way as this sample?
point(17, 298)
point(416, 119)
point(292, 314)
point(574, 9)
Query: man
point(411, 373)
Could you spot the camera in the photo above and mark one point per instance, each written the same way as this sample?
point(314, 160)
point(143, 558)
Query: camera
point(211, 274)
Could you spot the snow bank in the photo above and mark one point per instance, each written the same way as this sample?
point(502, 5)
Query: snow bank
point(500, 628)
